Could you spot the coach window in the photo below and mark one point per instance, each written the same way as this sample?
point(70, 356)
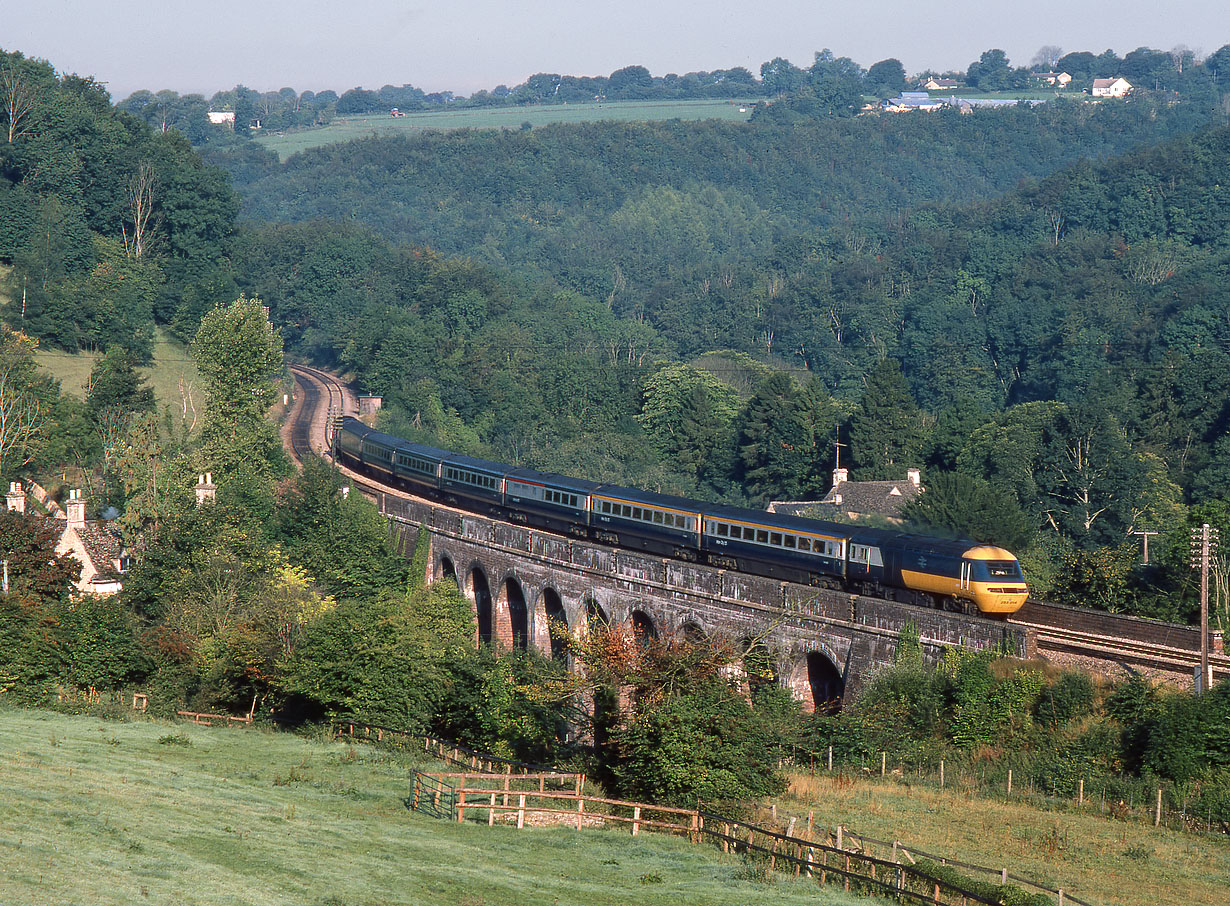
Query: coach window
point(722, 529)
point(776, 539)
point(762, 536)
point(790, 542)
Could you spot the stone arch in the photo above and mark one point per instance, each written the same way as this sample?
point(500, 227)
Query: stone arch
point(512, 617)
point(554, 623)
point(596, 616)
point(643, 628)
point(760, 663)
point(816, 682)
point(446, 569)
point(479, 593)
point(693, 632)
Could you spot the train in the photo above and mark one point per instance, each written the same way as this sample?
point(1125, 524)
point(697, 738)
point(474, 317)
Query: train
point(957, 575)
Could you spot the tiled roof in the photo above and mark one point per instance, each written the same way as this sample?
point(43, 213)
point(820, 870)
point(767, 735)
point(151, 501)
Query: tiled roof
point(103, 547)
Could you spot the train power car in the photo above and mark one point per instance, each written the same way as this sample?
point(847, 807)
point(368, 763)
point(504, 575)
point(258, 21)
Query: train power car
point(918, 569)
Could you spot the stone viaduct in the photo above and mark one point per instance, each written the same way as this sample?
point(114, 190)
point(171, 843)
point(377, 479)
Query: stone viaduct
point(520, 581)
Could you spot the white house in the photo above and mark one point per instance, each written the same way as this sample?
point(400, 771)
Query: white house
point(1110, 88)
point(1058, 79)
point(222, 118)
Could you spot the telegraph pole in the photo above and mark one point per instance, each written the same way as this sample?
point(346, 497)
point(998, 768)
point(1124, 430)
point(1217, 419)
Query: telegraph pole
point(1145, 538)
point(1204, 543)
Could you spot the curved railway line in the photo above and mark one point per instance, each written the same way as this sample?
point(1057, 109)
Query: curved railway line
point(1092, 638)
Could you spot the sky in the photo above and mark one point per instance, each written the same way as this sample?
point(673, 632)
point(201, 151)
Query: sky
point(467, 45)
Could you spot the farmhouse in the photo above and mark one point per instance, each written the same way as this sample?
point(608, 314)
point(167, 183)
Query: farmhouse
point(1110, 88)
point(856, 500)
point(222, 118)
point(1058, 79)
point(94, 545)
point(941, 84)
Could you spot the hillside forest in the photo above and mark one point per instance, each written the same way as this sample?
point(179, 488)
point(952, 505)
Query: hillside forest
point(1029, 304)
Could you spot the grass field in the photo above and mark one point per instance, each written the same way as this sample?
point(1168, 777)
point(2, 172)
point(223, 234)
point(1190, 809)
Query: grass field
point(346, 128)
point(101, 812)
point(172, 368)
point(1097, 859)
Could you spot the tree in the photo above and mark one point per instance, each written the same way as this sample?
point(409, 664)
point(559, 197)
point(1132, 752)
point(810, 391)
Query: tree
point(18, 93)
point(886, 431)
point(1047, 58)
point(887, 76)
point(343, 541)
point(239, 356)
point(35, 571)
point(140, 197)
point(785, 436)
point(115, 384)
point(21, 411)
point(689, 414)
point(970, 508)
point(991, 72)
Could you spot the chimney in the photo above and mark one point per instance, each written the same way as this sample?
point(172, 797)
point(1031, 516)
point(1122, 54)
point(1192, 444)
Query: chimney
point(16, 498)
point(840, 475)
point(205, 489)
point(75, 510)
point(915, 477)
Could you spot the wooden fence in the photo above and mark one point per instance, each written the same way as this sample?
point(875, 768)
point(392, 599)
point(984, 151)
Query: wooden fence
point(559, 799)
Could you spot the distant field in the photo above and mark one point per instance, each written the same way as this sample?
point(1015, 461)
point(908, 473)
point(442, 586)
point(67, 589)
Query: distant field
point(172, 367)
point(98, 812)
point(346, 128)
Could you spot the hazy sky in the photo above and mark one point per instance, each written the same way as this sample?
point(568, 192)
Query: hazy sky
point(464, 45)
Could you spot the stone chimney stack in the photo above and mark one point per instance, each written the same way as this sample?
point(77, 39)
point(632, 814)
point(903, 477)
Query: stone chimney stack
point(75, 509)
point(915, 477)
point(205, 489)
point(839, 476)
point(16, 498)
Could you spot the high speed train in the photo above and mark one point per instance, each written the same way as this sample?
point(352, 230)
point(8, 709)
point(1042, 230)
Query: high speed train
point(934, 572)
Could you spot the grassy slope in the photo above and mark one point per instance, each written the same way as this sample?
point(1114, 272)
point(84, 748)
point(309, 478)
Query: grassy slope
point(1096, 859)
point(172, 365)
point(98, 812)
point(349, 127)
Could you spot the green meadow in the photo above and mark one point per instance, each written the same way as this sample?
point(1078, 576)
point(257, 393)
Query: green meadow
point(345, 128)
point(102, 812)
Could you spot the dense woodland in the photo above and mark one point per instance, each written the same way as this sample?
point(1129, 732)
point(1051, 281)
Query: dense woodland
point(1028, 303)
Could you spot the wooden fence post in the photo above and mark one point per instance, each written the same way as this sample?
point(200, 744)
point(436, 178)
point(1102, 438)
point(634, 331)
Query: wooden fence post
point(1003, 877)
point(521, 812)
point(725, 837)
point(830, 759)
point(883, 762)
point(1009, 781)
point(507, 778)
point(840, 831)
point(1157, 815)
point(636, 819)
point(461, 807)
point(580, 813)
point(941, 773)
point(491, 812)
point(1080, 795)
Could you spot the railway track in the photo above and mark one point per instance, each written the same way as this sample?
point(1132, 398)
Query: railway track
point(320, 398)
point(1112, 639)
